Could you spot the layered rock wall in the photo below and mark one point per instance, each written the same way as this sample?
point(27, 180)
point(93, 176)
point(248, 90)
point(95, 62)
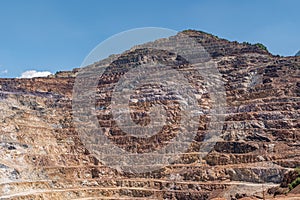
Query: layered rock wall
point(42, 156)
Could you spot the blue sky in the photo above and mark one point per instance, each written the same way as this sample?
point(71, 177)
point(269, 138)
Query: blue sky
point(52, 35)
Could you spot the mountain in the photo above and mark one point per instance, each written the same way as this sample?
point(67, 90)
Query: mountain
point(298, 53)
point(43, 156)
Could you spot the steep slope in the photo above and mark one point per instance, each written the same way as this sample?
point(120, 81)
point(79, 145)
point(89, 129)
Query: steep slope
point(42, 156)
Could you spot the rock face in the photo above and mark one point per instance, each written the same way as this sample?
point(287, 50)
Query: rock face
point(42, 156)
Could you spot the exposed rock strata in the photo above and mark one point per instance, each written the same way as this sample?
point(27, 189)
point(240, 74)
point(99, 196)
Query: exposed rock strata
point(42, 156)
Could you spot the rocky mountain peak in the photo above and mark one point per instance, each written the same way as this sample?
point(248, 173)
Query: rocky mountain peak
point(43, 157)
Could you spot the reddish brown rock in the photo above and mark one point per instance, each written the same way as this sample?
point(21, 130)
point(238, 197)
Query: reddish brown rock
point(42, 156)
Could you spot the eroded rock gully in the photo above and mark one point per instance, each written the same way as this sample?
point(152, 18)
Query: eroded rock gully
point(42, 156)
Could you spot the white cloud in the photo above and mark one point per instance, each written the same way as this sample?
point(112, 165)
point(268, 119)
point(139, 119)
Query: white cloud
point(4, 71)
point(34, 73)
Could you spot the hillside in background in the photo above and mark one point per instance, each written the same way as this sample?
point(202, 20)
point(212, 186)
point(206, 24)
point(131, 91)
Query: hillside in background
point(42, 156)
